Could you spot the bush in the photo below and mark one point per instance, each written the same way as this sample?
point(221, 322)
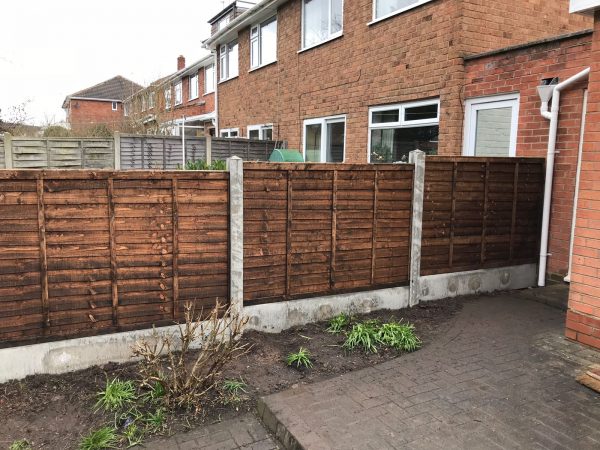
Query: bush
point(203, 165)
point(56, 131)
point(186, 375)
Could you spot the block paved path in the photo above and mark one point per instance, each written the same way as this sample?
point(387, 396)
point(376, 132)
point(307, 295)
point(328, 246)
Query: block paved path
point(501, 376)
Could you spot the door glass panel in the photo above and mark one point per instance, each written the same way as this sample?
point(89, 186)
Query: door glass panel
point(492, 132)
point(313, 143)
point(335, 142)
point(268, 134)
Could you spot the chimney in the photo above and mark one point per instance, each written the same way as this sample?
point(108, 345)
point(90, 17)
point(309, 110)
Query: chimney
point(180, 62)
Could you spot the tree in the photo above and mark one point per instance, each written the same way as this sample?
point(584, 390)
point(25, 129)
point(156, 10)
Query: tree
point(13, 119)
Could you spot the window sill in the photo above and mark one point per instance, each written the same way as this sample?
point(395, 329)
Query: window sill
point(228, 79)
point(329, 39)
point(208, 93)
point(192, 99)
point(262, 66)
point(395, 13)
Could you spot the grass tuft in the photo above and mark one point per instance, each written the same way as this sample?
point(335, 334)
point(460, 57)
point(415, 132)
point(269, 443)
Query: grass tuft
point(21, 444)
point(338, 323)
point(116, 395)
point(103, 438)
point(363, 335)
point(300, 359)
point(399, 336)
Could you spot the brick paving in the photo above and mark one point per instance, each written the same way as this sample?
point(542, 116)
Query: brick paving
point(244, 432)
point(500, 376)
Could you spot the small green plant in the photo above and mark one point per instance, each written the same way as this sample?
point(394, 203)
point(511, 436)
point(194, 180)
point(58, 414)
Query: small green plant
point(338, 323)
point(232, 391)
point(156, 421)
point(399, 336)
point(196, 165)
point(116, 395)
point(133, 435)
point(300, 359)
point(363, 335)
point(156, 392)
point(21, 444)
point(103, 438)
point(218, 165)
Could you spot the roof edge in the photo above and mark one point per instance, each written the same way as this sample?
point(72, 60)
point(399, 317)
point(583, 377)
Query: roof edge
point(561, 37)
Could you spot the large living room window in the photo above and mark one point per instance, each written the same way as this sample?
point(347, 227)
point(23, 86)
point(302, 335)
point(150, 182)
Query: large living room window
point(491, 125)
point(325, 139)
point(396, 130)
point(322, 20)
point(228, 55)
point(263, 43)
point(387, 8)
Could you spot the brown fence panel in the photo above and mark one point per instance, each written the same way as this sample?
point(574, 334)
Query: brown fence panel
point(316, 229)
point(480, 212)
point(86, 252)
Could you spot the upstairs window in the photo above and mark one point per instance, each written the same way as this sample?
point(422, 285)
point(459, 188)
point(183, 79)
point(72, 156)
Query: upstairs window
point(228, 55)
point(178, 94)
point(151, 100)
point(115, 106)
point(193, 81)
point(263, 43)
point(144, 103)
point(168, 97)
point(209, 79)
point(396, 130)
point(321, 20)
point(386, 8)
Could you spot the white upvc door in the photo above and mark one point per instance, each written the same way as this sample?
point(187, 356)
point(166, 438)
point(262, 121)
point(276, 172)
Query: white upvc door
point(324, 139)
point(491, 126)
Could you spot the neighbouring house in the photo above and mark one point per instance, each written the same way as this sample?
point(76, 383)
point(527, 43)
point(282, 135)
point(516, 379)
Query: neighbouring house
point(364, 81)
point(101, 104)
point(186, 97)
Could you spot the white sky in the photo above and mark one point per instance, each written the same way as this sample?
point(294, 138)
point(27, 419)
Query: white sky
point(52, 48)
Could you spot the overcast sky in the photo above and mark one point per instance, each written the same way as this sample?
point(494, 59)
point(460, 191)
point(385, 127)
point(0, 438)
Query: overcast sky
point(52, 48)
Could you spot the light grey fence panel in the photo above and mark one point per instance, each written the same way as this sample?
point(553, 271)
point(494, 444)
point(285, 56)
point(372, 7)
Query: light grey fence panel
point(2, 163)
point(99, 154)
point(247, 149)
point(159, 152)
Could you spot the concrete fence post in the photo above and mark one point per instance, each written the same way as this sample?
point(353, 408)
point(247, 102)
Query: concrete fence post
point(117, 150)
point(417, 157)
point(209, 149)
point(235, 166)
point(8, 155)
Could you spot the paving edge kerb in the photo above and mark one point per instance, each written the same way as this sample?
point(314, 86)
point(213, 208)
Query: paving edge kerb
point(275, 426)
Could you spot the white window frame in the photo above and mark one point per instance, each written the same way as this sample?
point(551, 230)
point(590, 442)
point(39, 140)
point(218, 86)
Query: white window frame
point(473, 105)
point(394, 13)
point(223, 22)
point(402, 122)
point(261, 130)
point(151, 100)
point(193, 81)
point(224, 55)
point(323, 121)
point(330, 36)
point(168, 93)
point(226, 132)
point(144, 102)
point(207, 91)
point(178, 90)
point(115, 106)
point(258, 38)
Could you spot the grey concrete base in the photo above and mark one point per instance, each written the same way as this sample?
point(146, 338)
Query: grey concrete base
point(436, 287)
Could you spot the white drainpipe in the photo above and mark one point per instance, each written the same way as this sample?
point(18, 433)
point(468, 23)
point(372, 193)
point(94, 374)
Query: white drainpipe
point(553, 117)
point(577, 181)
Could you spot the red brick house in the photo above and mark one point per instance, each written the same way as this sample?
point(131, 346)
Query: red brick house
point(364, 81)
point(187, 96)
point(99, 104)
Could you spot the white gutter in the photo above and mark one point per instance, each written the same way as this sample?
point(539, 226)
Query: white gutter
point(553, 117)
point(577, 181)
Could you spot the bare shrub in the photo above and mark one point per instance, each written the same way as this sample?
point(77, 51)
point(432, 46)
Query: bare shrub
point(188, 364)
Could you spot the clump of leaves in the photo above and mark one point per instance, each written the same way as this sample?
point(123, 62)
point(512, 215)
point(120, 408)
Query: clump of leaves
point(233, 391)
point(363, 335)
point(155, 393)
point(21, 444)
point(116, 395)
point(188, 364)
point(196, 165)
point(156, 421)
point(133, 435)
point(338, 323)
point(218, 165)
point(100, 439)
point(399, 336)
point(300, 359)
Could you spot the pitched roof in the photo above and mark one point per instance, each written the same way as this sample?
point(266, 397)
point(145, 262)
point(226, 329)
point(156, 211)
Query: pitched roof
point(117, 88)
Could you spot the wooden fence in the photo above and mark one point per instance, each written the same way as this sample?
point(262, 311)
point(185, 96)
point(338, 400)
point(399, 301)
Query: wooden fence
point(322, 228)
point(481, 212)
point(85, 252)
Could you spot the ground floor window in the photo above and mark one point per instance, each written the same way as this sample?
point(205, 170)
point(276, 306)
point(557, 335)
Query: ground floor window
point(263, 132)
point(229, 132)
point(325, 139)
point(396, 130)
point(491, 125)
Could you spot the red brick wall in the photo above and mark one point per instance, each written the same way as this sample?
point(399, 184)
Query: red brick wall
point(583, 319)
point(84, 114)
point(521, 71)
point(414, 55)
